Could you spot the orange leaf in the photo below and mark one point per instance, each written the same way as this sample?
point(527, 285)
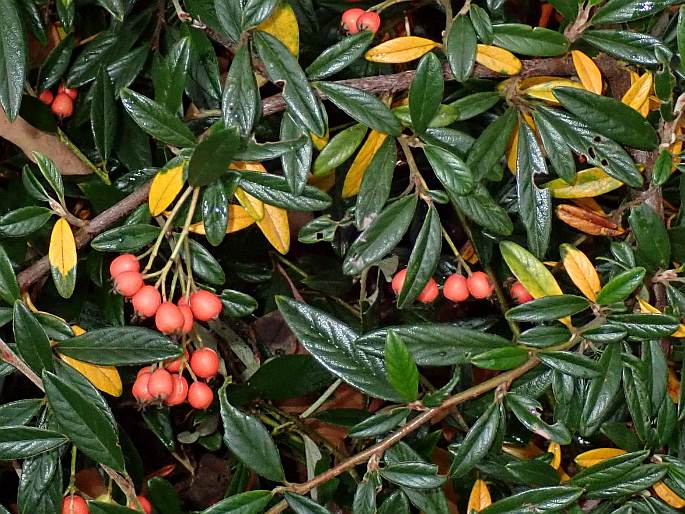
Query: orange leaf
point(581, 271)
point(668, 495)
point(479, 497)
point(588, 222)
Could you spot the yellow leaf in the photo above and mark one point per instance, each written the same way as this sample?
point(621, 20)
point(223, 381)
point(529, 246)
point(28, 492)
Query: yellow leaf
point(62, 256)
point(592, 457)
point(680, 332)
point(590, 182)
point(247, 166)
point(238, 219)
point(587, 72)
point(555, 450)
point(282, 25)
point(580, 270)
point(275, 227)
point(513, 149)
point(479, 497)
point(646, 308)
point(78, 331)
point(668, 495)
point(353, 179)
point(498, 59)
point(400, 50)
point(638, 93)
point(164, 188)
point(544, 91)
point(324, 183)
point(252, 205)
point(320, 142)
point(529, 270)
point(527, 82)
point(526, 452)
point(104, 378)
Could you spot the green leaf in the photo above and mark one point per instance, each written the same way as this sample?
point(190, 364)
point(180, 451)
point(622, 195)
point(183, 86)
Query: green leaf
point(250, 502)
point(527, 40)
point(455, 176)
point(376, 183)
point(296, 163)
point(51, 174)
point(237, 304)
point(536, 501)
point(128, 238)
point(95, 54)
point(303, 505)
point(620, 11)
point(632, 482)
point(602, 391)
point(425, 93)
point(528, 411)
point(396, 503)
point(204, 265)
point(9, 288)
point(40, 484)
point(480, 207)
point(477, 442)
point(332, 343)
point(507, 357)
point(247, 438)
point(380, 237)
point(89, 429)
point(274, 190)
point(461, 48)
point(646, 326)
point(662, 167)
point(103, 114)
point(653, 244)
point(214, 207)
point(557, 149)
point(339, 149)
point(401, 369)
point(33, 344)
point(379, 423)
point(156, 120)
point(337, 57)
point(13, 58)
point(170, 75)
point(609, 117)
point(283, 68)
point(272, 381)
point(361, 106)
point(621, 286)
point(56, 63)
point(26, 442)
point(535, 204)
point(119, 346)
point(417, 475)
point(543, 336)
point(596, 476)
point(548, 308)
point(24, 221)
point(212, 156)
point(423, 259)
point(474, 104)
point(605, 334)
point(163, 496)
point(364, 501)
point(629, 46)
point(491, 144)
point(240, 103)
point(570, 363)
point(116, 8)
point(19, 412)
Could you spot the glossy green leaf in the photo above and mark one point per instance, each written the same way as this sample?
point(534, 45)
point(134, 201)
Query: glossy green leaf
point(570, 363)
point(491, 144)
point(455, 176)
point(297, 162)
point(417, 475)
point(40, 484)
point(274, 190)
point(9, 289)
point(480, 207)
point(127, 238)
point(507, 357)
point(212, 156)
point(557, 149)
point(240, 103)
point(56, 63)
point(250, 502)
point(645, 326)
point(548, 308)
point(303, 505)
point(13, 58)
point(400, 367)
point(33, 344)
point(26, 442)
point(528, 411)
point(536, 501)
point(19, 412)
point(472, 105)
point(477, 442)
point(527, 40)
point(337, 57)
point(103, 114)
point(425, 92)
point(653, 244)
point(628, 46)
point(602, 391)
point(340, 148)
point(620, 11)
point(376, 183)
point(621, 286)
point(214, 207)
point(461, 47)
point(379, 423)
point(24, 221)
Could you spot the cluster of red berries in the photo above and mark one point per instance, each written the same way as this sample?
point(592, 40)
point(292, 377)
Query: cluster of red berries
point(167, 385)
point(457, 287)
point(355, 20)
point(170, 318)
point(62, 104)
point(75, 504)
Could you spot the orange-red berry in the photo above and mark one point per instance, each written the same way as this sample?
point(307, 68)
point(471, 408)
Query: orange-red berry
point(160, 385)
point(145, 503)
point(200, 395)
point(369, 21)
point(146, 301)
point(519, 293)
point(455, 288)
point(205, 305)
point(204, 363)
point(430, 292)
point(174, 366)
point(146, 369)
point(140, 388)
point(74, 504)
point(188, 319)
point(71, 91)
point(168, 318)
point(179, 393)
point(62, 105)
point(125, 262)
point(46, 97)
point(479, 285)
point(128, 283)
point(398, 281)
point(349, 18)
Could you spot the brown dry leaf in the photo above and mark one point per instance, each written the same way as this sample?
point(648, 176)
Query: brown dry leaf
point(592, 457)
point(468, 253)
point(401, 50)
point(668, 495)
point(581, 271)
point(587, 222)
point(479, 497)
point(589, 204)
point(498, 59)
point(587, 72)
point(353, 179)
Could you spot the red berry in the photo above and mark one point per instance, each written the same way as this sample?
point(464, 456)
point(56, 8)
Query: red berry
point(455, 288)
point(183, 300)
point(71, 91)
point(188, 319)
point(140, 388)
point(146, 369)
point(398, 280)
point(145, 503)
point(63, 105)
point(369, 21)
point(200, 396)
point(179, 393)
point(519, 293)
point(146, 301)
point(479, 285)
point(204, 363)
point(430, 292)
point(46, 97)
point(174, 366)
point(128, 283)
point(160, 384)
point(125, 262)
point(205, 305)
point(168, 318)
point(74, 504)
point(349, 18)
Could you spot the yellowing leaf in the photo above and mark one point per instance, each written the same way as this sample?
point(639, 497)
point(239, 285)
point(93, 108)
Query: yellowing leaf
point(580, 270)
point(247, 166)
point(638, 93)
point(252, 205)
point(668, 495)
point(62, 256)
point(320, 142)
point(527, 82)
point(555, 450)
point(276, 228)
point(544, 91)
point(680, 332)
point(238, 219)
point(164, 188)
point(646, 308)
point(589, 183)
point(479, 497)
point(498, 59)
point(104, 378)
point(530, 451)
point(513, 149)
point(353, 179)
point(282, 25)
point(587, 72)
point(400, 50)
point(534, 276)
point(592, 457)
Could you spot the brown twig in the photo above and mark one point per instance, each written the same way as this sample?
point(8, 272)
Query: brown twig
point(7, 355)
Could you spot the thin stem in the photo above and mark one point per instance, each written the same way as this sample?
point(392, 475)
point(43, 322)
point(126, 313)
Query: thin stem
point(414, 174)
point(321, 399)
point(11, 358)
point(166, 227)
point(502, 301)
point(387, 3)
point(103, 175)
point(455, 251)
